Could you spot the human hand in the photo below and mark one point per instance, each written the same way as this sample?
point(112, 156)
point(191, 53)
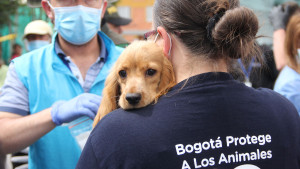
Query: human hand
point(86, 104)
point(279, 16)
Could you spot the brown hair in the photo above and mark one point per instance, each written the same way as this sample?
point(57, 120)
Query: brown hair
point(292, 40)
point(233, 35)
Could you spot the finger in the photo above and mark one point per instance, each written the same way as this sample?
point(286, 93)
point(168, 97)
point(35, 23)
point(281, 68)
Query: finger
point(91, 115)
point(92, 106)
point(91, 95)
point(87, 112)
point(93, 98)
point(96, 100)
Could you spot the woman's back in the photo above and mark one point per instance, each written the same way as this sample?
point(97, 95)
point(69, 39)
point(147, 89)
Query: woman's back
point(212, 122)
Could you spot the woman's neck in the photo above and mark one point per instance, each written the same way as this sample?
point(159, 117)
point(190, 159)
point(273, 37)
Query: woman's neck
point(186, 66)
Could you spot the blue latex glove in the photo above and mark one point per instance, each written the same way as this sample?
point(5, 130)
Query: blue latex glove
point(86, 104)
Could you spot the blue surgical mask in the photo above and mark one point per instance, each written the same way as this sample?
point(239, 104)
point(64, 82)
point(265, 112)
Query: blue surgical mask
point(35, 44)
point(77, 24)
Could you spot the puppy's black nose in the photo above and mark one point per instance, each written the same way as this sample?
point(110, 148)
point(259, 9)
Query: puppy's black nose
point(133, 98)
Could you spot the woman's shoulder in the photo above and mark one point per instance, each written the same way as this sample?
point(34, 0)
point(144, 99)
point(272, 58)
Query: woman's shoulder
point(276, 100)
point(269, 95)
point(121, 119)
point(286, 76)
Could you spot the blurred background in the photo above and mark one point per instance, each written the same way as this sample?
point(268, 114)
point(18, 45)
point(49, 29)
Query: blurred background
point(16, 14)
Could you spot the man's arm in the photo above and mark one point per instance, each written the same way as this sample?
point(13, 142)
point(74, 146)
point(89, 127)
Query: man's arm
point(17, 132)
point(278, 47)
point(19, 129)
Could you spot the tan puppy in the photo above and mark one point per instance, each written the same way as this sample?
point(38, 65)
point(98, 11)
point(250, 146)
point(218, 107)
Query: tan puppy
point(139, 77)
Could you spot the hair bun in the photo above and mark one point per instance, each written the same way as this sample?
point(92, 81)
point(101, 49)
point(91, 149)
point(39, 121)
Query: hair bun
point(235, 33)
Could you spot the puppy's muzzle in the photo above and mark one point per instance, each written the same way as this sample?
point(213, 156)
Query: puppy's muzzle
point(133, 98)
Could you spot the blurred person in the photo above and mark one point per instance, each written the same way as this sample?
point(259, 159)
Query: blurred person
point(37, 34)
point(279, 18)
point(208, 120)
point(288, 81)
point(114, 20)
point(16, 51)
point(112, 25)
point(57, 84)
point(259, 74)
point(3, 72)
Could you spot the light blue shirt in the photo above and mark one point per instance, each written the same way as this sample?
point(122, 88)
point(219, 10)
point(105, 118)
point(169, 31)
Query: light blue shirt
point(14, 95)
point(44, 78)
point(288, 85)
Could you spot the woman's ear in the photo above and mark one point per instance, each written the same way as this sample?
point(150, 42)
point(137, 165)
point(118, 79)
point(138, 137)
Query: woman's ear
point(165, 41)
point(110, 96)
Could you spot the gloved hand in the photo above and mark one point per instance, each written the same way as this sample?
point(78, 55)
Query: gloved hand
point(280, 15)
point(86, 104)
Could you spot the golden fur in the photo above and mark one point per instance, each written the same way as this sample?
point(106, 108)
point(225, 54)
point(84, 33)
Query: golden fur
point(149, 74)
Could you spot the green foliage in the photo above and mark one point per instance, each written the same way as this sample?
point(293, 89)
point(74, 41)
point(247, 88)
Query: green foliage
point(7, 8)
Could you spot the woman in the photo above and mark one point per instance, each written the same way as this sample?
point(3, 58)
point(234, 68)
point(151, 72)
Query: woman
point(208, 120)
point(288, 81)
point(279, 18)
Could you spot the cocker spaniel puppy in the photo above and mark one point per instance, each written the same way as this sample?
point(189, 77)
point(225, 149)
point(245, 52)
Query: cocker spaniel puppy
point(139, 77)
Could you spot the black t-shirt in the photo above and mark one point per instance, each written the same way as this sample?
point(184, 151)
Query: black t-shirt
point(212, 122)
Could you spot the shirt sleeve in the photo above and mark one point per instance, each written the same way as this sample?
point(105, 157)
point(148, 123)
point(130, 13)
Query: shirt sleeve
point(88, 158)
point(292, 92)
point(13, 94)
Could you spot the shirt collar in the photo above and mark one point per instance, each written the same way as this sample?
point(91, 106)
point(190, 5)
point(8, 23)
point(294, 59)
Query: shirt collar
point(203, 79)
point(62, 55)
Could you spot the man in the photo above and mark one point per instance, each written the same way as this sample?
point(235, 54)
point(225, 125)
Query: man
point(57, 84)
point(114, 20)
point(112, 25)
point(37, 34)
point(17, 51)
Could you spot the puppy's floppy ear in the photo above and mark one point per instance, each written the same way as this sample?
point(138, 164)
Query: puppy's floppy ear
point(167, 79)
point(110, 97)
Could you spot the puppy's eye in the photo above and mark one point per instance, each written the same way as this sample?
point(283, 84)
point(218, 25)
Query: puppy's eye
point(150, 72)
point(123, 74)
